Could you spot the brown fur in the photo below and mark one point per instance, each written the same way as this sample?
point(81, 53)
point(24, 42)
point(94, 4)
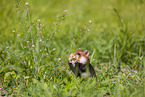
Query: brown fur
point(81, 69)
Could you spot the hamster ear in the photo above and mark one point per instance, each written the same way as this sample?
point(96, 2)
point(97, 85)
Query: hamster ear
point(86, 52)
point(79, 50)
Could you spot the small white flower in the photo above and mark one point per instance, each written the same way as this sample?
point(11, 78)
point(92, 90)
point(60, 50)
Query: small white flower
point(38, 20)
point(59, 59)
point(28, 41)
point(65, 11)
point(18, 35)
point(135, 71)
point(13, 31)
point(54, 86)
point(54, 49)
point(40, 40)
point(42, 24)
point(129, 74)
point(33, 45)
point(26, 3)
point(90, 21)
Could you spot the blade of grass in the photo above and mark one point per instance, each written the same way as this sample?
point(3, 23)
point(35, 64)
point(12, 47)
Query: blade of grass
point(49, 54)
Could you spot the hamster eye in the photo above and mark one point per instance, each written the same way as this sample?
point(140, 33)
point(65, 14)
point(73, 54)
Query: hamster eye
point(78, 54)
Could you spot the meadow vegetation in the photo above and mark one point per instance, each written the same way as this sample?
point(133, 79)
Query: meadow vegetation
point(37, 37)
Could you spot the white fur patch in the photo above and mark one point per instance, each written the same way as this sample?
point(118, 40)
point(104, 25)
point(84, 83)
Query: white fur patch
point(72, 59)
point(82, 60)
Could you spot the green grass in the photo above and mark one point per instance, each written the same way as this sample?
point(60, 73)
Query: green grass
point(37, 38)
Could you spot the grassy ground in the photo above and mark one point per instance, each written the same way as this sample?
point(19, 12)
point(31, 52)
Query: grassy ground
point(37, 37)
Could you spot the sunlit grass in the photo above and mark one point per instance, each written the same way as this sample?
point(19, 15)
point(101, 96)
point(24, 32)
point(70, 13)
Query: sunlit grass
point(37, 38)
